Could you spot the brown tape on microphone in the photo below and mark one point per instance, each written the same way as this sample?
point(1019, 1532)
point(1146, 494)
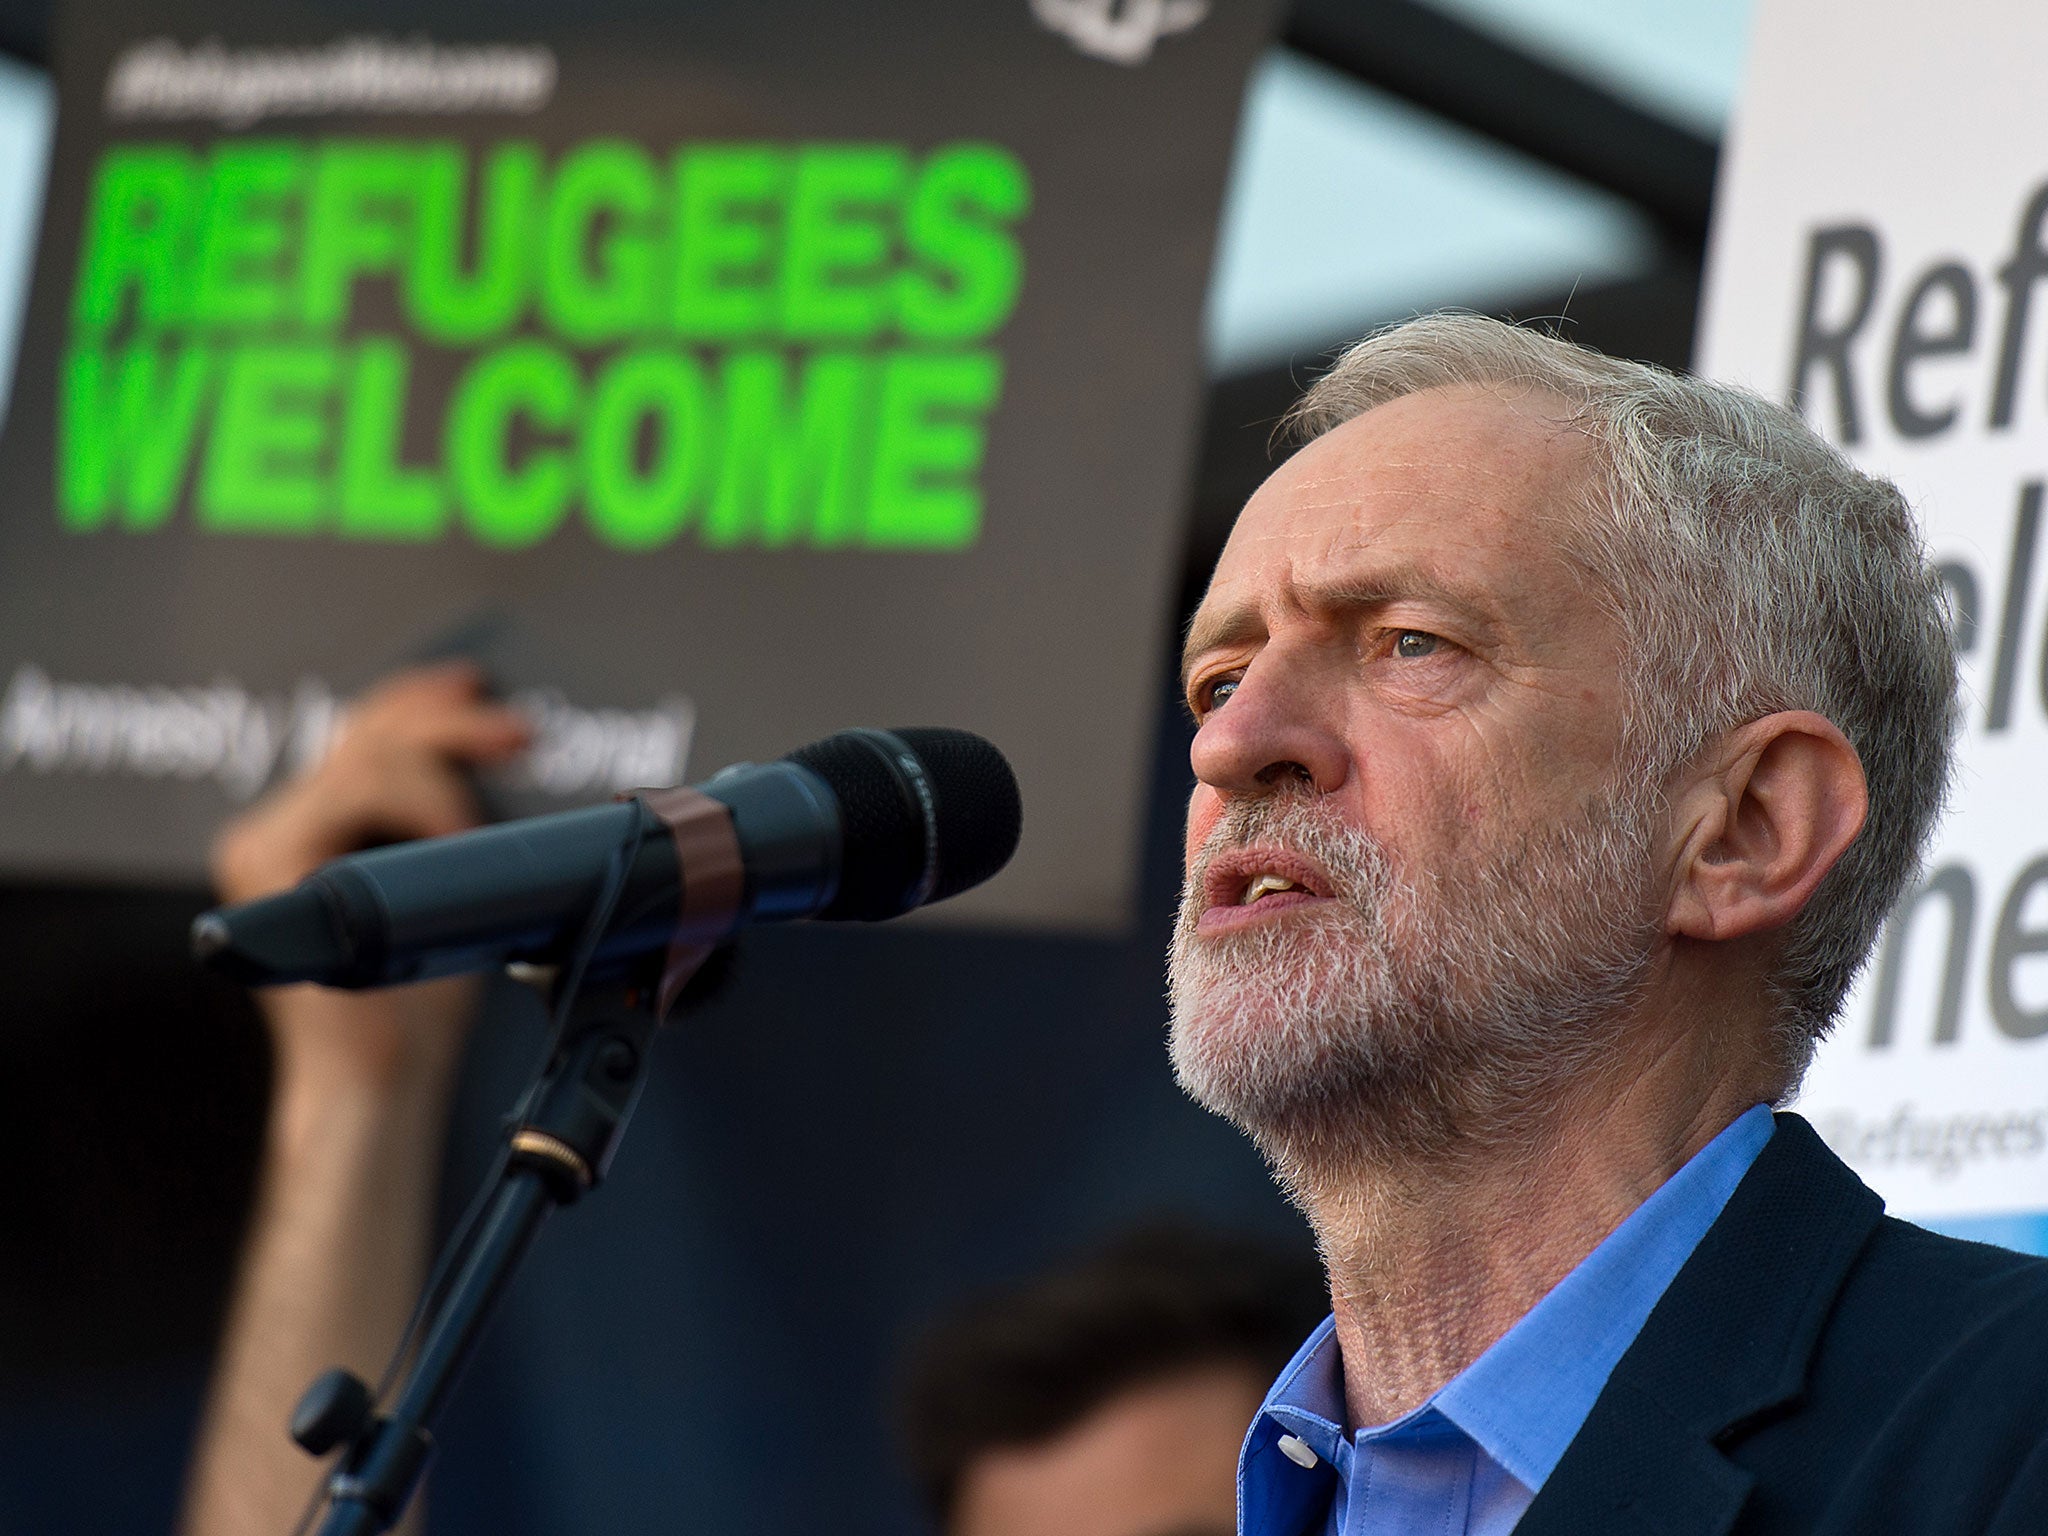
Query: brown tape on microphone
point(713, 880)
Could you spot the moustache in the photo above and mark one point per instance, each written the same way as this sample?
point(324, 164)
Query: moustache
point(1359, 870)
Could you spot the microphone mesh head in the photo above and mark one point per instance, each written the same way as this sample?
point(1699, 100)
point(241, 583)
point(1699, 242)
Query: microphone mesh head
point(893, 861)
point(980, 813)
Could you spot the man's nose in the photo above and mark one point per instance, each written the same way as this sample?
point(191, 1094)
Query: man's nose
point(1281, 725)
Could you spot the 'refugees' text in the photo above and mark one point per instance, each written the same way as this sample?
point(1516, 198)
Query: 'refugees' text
point(744, 343)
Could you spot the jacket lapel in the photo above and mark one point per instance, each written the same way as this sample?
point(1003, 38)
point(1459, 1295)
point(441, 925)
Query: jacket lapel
point(1732, 1338)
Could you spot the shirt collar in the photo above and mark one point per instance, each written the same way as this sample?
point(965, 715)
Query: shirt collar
point(1308, 1399)
point(1524, 1399)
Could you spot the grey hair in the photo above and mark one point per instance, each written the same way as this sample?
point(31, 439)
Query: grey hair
point(1755, 569)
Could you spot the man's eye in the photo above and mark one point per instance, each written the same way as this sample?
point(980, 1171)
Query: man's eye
point(1411, 643)
point(1213, 696)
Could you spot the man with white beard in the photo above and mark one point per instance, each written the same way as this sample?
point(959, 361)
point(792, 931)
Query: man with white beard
point(1566, 731)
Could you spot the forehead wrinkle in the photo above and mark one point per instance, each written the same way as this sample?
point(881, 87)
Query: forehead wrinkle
point(1468, 465)
point(1355, 499)
point(1355, 475)
point(1354, 502)
point(1349, 529)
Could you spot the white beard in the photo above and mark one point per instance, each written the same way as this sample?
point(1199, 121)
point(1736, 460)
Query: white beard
point(1418, 1013)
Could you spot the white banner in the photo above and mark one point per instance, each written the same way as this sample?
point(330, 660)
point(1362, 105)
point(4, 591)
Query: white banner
point(1880, 255)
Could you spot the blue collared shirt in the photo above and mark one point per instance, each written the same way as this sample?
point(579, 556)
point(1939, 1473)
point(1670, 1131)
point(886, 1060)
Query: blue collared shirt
point(1472, 1458)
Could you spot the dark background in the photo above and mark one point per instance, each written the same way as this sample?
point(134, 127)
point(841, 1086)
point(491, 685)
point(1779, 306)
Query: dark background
point(864, 1126)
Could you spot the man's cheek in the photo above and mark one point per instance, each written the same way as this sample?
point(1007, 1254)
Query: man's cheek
point(1205, 809)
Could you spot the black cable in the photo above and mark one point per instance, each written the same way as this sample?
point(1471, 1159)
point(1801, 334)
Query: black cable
point(569, 982)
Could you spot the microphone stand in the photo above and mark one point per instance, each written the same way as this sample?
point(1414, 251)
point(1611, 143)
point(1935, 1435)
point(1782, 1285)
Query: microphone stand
point(562, 1140)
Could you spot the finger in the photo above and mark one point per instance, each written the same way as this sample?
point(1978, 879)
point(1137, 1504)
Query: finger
point(452, 723)
point(435, 685)
point(403, 794)
point(482, 733)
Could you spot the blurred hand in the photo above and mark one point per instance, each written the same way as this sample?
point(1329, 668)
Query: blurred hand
point(397, 769)
point(338, 1238)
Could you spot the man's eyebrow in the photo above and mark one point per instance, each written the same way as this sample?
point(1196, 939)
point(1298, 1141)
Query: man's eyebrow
point(1405, 584)
point(1210, 632)
point(1234, 626)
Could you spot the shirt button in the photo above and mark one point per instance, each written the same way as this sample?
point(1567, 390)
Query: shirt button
point(1296, 1450)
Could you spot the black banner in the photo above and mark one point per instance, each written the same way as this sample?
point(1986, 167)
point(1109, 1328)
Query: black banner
point(740, 375)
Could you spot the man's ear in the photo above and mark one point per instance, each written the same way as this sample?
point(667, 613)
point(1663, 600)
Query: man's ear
point(1761, 822)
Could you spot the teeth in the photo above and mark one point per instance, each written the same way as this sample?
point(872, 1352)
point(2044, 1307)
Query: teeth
point(1265, 884)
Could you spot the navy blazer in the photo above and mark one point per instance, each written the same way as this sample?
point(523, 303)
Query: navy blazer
point(1819, 1368)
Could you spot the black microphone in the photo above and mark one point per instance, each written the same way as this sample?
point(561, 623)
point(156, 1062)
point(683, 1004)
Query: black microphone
point(864, 825)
